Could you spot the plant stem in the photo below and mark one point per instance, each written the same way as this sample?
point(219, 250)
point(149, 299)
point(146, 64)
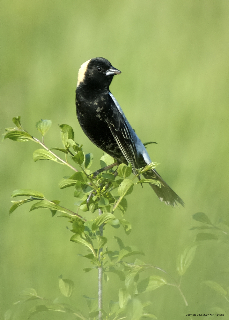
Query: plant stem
point(72, 213)
point(181, 293)
point(61, 160)
point(100, 275)
point(185, 301)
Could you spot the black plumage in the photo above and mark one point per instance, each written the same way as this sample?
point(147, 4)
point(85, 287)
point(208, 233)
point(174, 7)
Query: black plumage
point(105, 124)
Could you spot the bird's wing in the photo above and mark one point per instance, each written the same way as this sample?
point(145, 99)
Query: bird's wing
point(131, 147)
point(122, 132)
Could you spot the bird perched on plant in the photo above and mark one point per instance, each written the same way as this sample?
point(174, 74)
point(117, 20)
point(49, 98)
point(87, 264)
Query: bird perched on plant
point(105, 124)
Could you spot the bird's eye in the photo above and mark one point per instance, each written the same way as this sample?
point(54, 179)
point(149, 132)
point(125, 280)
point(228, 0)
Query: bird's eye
point(99, 69)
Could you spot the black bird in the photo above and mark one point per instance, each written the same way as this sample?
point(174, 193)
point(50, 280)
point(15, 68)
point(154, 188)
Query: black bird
point(105, 124)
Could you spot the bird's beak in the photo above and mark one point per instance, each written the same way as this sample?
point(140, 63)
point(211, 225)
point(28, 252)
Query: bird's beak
point(112, 71)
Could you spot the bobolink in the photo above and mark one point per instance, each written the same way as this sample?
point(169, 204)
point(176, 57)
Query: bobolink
point(105, 124)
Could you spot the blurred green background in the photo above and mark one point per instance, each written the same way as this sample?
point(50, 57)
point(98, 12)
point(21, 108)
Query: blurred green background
point(173, 89)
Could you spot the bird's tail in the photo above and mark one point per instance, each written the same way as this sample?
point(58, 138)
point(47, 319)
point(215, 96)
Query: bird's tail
point(164, 192)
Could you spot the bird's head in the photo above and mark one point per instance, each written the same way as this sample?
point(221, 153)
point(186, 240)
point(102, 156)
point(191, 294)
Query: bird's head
point(97, 73)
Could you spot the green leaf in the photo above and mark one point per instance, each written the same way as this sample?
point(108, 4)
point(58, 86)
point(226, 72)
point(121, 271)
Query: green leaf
point(134, 309)
point(27, 192)
point(51, 205)
point(79, 157)
point(126, 225)
point(113, 307)
point(71, 143)
point(37, 309)
point(43, 126)
point(92, 207)
point(78, 226)
point(61, 150)
point(88, 160)
point(86, 189)
point(123, 296)
point(124, 171)
point(150, 166)
point(185, 259)
point(30, 294)
point(87, 242)
point(102, 219)
point(44, 204)
point(78, 193)
point(88, 256)
point(42, 154)
point(107, 209)
point(131, 276)
point(115, 223)
point(92, 303)
point(65, 128)
point(123, 205)
point(66, 133)
point(139, 263)
point(88, 269)
point(201, 217)
point(151, 283)
point(108, 160)
point(17, 204)
point(127, 252)
point(101, 241)
point(108, 176)
point(84, 207)
point(66, 287)
point(120, 242)
point(119, 273)
point(103, 202)
point(206, 236)
point(65, 183)
point(125, 187)
point(149, 316)
point(17, 135)
point(53, 211)
point(102, 164)
point(79, 176)
point(17, 122)
point(105, 277)
point(215, 286)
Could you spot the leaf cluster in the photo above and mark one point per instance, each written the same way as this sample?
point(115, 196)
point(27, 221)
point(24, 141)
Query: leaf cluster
point(105, 189)
point(207, 230)
point(103, 194)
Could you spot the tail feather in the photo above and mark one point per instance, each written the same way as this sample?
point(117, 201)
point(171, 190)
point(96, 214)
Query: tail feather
point(164, 192)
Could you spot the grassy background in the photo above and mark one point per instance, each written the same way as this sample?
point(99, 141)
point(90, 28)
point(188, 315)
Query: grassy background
point(173, 89)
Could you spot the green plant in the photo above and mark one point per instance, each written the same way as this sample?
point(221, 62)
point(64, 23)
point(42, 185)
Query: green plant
point(209, 231)
point(103, 193)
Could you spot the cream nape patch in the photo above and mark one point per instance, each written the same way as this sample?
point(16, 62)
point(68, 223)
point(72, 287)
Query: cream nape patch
point(82, 71)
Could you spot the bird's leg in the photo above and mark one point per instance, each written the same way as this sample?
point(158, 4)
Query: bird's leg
point(105, 169)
